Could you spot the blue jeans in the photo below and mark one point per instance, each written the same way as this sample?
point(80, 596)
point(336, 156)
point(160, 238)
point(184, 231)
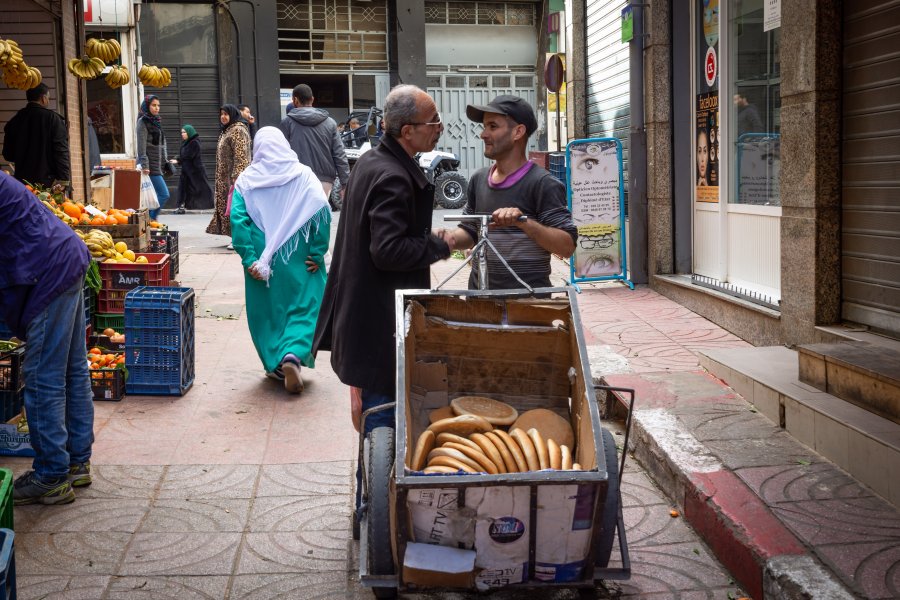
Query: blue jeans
point(384, 418)
point(58, 399)
point(162, 193)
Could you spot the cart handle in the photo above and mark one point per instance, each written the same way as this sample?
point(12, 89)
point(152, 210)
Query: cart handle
point(628, 421)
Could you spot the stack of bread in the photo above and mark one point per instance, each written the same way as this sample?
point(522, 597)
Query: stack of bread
point(470, 435)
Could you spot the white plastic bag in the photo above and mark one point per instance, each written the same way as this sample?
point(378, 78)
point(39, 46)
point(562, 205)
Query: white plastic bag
point(148, 193)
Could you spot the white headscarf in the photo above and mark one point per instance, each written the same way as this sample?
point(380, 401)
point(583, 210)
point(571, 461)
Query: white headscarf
point(282, 197)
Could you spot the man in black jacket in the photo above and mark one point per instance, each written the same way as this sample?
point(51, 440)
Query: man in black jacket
point(384, 243)
point(36, 141)
point(313, 135)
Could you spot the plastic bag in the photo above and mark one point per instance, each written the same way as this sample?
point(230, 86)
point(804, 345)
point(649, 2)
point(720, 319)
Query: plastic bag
point(148, 193)
point(228, 204)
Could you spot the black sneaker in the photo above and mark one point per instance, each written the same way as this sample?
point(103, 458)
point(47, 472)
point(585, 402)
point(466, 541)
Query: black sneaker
point(80, 474)
point(180, 210)
point(28, 489)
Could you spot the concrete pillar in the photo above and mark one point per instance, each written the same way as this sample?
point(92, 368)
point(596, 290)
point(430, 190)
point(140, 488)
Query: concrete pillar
point(71, 95)
point(410, 35)
point(576, 65)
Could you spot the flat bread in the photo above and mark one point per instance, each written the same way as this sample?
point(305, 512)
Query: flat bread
point(489, 449)
point(453, 453)
point(494, 411)
point(462, 425)
point(514, 450)
point(566, 458)
point(443, 438)
point(551, 425)
point(444, 412)
point(424, 445)
point(477, 455)
point(540, 448)
point(555, 455)
point(527, 447)
point(508, 460)
point(449, 461)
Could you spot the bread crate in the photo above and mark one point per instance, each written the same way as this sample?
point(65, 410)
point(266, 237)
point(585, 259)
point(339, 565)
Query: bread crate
point(159, 328)
point(118, 278)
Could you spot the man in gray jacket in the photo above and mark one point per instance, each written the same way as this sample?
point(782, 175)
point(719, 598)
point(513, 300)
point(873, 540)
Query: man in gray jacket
point(313, 135)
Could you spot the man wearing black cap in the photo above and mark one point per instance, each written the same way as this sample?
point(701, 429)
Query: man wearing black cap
point(512, 187)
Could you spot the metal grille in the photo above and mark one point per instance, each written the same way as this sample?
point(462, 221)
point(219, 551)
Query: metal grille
point(334, 32)
point(480, 13)
point(736, 291)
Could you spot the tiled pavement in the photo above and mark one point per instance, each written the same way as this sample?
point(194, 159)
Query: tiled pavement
point(239, 491)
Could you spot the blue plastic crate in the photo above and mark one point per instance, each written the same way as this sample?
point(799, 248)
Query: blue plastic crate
point(88, 304)
point(7, 564)
point(159, 329)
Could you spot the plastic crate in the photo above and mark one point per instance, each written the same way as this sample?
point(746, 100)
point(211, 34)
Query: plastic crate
point(6, 503)
point(108, 384)
point(166, 241)
point(7, 564)
point(103, 321)
point(103, 342)
point(11, 404)
point(12, 379)
point(88, 304)
point(557, 164)
point(159, 327)
point(119, 278)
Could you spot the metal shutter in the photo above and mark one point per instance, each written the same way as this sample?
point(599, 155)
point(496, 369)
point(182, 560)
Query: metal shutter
point(870, 226)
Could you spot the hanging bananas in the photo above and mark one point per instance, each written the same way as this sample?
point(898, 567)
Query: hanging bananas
point(117, 77)
point(10, 53)
point(86, 67)
point(105, 50)
point(154, 76)
point(16, 74)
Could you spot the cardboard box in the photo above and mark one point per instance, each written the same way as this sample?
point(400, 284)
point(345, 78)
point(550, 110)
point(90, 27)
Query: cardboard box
point(13, 442)
point(428, 566)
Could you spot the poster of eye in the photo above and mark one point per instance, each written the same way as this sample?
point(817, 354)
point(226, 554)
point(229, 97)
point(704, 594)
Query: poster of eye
point(597, 202)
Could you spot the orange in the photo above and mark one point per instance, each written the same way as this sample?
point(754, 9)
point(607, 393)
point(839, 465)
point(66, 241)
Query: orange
point(110, 220)
point(71, 210)
point(85, 219)
point(121, 219)
point(98, 220)
point(95, 366)
point(95, 350)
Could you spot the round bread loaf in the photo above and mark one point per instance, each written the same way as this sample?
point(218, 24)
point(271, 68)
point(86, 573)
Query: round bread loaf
point(551, 425)
point(463, 425)
point(424, 445)
point(453, 453)
point(508, 460)
point(477, 455)
point(489, 449)
point(565, 458)
point(540, 448)
point(449, 461)
point(555, 455)
point(493, 411)
point(443, 438)
point(440, 469)
point(527, 447)
point(514, 450)
point(444, 412)
point(576, 467)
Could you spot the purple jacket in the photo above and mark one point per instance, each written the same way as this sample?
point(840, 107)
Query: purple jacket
point(40, 256)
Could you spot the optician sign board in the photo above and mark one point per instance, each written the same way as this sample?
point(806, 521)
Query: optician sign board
point(597, 202)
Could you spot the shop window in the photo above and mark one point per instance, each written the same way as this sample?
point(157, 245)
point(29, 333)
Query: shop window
point(104, 106)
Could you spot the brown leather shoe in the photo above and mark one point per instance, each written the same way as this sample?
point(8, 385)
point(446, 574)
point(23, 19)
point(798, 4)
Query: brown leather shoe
point(293, 383)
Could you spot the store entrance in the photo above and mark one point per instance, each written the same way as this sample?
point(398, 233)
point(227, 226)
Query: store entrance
point(339, 93)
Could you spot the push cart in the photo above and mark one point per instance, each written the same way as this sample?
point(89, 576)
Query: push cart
point(535, 529)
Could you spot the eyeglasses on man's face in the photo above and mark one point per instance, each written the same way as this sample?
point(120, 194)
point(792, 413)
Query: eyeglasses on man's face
point(437, 121)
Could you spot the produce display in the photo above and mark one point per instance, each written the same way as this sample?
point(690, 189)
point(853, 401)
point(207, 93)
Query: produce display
point(114, 336)
point(106, 50)
point(100, 360)
point(154, 76)
point(474, 441)
point(117, 77)
point(17, 74)
point(101, 244)
point(86, 67)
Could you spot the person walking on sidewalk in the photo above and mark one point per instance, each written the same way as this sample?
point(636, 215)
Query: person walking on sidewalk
point(42, 269)
point(152, 152)
point(193, 187)
point(313, 135)
point(232, 157)
point(280, 226)
point(36, 142)
point(247, 115)
point(384, 243)
point(511, 188)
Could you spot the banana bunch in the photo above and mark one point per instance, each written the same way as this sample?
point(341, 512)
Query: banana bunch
point(59, 213)
point(10, 53)
point(154, 76)
point(105, 50)
point(22, 77)
point(86, 67)
point(100, 243)
point(117, 77)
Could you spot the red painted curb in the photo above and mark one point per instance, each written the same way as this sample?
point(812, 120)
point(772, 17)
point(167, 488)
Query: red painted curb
point(737, 525)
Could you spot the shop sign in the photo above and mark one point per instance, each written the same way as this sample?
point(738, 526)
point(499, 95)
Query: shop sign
point(597, 202)
point(707, 146)
point(108, 13)
point(627, 24)
point(710, 66)
point(771, 14)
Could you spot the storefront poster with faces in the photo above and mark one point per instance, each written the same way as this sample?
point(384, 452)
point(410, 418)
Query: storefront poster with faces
point(707, 146)
point(596, 197)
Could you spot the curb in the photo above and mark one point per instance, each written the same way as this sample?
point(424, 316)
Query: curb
point(760, 552)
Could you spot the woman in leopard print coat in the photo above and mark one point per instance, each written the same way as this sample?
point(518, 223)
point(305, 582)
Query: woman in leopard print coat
point(233, 154)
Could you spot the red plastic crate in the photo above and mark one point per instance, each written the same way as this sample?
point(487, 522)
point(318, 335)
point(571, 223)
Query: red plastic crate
point(119, 278)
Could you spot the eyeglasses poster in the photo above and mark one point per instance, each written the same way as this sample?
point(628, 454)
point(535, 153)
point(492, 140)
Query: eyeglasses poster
point(596, 202)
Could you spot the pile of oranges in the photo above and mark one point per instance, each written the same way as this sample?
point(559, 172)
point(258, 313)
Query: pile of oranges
point(99, 360)
point(77, 211)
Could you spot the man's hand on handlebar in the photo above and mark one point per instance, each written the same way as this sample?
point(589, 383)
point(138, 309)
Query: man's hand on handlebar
point(507, 217)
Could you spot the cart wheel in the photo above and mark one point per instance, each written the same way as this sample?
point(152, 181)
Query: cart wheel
point(611, 506)
point(378, 477)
